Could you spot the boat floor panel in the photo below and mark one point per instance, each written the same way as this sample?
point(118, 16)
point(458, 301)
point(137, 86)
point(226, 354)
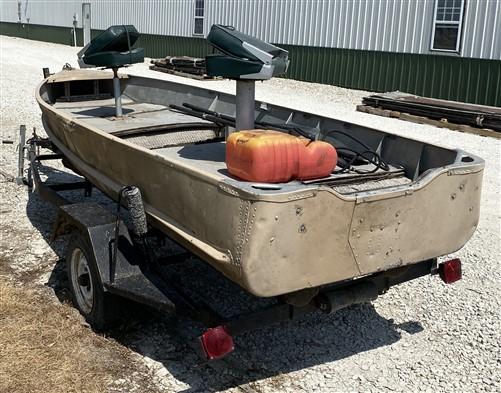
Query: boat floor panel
point(137, 115)
point(208, 158)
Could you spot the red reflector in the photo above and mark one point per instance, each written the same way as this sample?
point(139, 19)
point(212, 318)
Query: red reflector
point(217, 342)
point(450, 271)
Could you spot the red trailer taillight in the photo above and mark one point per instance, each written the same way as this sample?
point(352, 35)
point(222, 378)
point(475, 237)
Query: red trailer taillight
point(450, 271)
point(217, 342)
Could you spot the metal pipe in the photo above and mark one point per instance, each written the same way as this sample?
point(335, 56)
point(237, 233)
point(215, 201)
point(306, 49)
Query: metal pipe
point(273, 314)
point(20, 163)
point(337, 299)
point(117, 93)
point(86, 23)
point(44, 190)
point(245, 102)
point(75, 23)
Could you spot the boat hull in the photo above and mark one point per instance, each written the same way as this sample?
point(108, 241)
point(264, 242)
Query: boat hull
point(277, 243)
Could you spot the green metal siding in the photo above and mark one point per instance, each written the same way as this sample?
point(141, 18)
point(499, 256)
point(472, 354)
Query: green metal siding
point(160, 46)
point(447, 77)
point(59, 35)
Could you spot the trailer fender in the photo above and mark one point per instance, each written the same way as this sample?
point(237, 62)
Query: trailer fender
point(98, 225)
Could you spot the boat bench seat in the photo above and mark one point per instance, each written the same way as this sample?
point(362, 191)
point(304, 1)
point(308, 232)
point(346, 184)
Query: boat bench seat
point(244, 57)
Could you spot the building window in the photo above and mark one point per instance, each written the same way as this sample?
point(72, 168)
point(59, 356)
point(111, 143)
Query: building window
point(447, 24)
point(199, 17)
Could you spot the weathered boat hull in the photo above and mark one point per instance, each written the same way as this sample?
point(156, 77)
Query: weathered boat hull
point(273, 242)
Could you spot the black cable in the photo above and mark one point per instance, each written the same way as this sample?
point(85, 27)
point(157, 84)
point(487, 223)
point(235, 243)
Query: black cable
point(373, 159)
point(221, 116)
point(217, 120)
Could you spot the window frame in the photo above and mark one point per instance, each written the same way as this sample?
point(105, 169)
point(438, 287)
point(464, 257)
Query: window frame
point(459, 25)
point(195, 17)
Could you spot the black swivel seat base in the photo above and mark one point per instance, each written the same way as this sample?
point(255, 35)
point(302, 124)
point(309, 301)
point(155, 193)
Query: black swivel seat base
point(245, 104)
point(245, 59)
point(117, 93)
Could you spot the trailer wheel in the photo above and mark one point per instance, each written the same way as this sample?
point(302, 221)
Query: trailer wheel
point(86, 287)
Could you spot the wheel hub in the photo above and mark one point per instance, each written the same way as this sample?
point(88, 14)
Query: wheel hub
point(81, 281)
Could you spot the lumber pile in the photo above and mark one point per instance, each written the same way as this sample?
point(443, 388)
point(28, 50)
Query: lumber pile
point(450, 114)
point(191, 67)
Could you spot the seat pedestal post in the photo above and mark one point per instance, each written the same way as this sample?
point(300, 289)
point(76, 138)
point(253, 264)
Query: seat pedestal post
point(117, 93)
point(245, 102)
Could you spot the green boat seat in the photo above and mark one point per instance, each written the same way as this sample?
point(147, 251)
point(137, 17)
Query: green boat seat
point(113, 48)
point(244, 57)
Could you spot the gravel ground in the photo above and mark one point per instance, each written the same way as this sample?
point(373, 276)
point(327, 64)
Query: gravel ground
point(420, 336)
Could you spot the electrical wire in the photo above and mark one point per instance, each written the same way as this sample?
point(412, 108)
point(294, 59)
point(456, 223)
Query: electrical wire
point(369, 155)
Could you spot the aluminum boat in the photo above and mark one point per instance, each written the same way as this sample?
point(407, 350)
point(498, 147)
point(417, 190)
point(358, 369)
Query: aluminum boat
point(272, 239)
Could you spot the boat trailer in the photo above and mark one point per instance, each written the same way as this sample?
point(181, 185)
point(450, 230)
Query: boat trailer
point(108, 258)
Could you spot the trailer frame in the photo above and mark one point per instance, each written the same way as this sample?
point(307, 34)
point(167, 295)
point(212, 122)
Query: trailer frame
point(135, 279)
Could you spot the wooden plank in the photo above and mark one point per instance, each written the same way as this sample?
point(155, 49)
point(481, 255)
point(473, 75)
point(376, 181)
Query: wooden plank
point(432, 122)
point(184, 74)
point(463, 106)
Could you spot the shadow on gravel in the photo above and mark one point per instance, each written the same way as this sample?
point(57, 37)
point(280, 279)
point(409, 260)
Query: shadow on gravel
point(267, 353)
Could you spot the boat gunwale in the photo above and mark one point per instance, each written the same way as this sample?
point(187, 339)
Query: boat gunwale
point(280, 195)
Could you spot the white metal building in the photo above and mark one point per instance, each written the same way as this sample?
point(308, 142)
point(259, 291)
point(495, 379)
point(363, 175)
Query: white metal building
point(456, 29)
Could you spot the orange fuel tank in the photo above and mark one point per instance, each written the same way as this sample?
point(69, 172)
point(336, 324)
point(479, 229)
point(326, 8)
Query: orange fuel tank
point(275, 157)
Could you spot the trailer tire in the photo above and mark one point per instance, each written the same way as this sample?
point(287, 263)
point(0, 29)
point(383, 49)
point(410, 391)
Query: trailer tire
point(87, 292)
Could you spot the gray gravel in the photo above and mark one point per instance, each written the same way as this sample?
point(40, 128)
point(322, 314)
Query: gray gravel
point(420, 336)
